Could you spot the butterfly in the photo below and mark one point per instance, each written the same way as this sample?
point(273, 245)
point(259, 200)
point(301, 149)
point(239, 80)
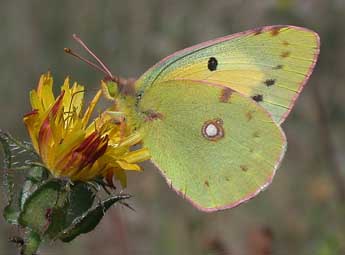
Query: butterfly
point(210, 114)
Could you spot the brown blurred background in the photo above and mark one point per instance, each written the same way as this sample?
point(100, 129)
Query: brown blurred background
point(302, 212)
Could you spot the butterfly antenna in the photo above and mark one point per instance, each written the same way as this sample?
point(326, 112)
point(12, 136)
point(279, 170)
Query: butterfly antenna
point(78, 40)
point(69, 51)
point(100, 67)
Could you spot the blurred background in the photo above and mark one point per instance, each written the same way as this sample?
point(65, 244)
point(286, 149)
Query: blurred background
point(302, 212)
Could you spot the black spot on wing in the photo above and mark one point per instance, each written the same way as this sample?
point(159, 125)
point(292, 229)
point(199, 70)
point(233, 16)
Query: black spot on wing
point(270, 82)
point(277, 67)
point(212, 64)
point(258, 98)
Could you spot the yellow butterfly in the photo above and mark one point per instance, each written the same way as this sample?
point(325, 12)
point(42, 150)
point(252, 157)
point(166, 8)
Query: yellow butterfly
point(210, 114)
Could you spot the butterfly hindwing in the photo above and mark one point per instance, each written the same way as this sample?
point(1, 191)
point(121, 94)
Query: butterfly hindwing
point(213, 145)
point(269, 65)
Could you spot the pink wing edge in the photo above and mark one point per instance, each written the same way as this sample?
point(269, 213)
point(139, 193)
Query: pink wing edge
point(310, 71)
point(251, 195)
point(236, 203)
point(248, 32)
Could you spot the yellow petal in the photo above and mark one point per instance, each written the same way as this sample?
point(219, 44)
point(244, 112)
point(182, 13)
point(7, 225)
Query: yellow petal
point(90, 109)
point(31, 120)
point(130, 140)
point(74, 97)
point(35, 101)
point(137, 155)
point(126, 166)
point(45, 90)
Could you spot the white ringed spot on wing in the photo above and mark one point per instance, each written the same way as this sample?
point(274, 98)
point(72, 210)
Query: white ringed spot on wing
point(213, 130)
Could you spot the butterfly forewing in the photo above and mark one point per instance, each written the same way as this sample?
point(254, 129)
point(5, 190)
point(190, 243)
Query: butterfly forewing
point(269, 65)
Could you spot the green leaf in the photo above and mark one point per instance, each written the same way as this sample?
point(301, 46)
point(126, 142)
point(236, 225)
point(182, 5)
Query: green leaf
point(11, 214)
point(90, 219)
point(31, 244)
point(8, 180)
point(57, 222)
point(10, 145)
point(58, 215)
point(81, 199)
point(39, 208)
point(35, 177)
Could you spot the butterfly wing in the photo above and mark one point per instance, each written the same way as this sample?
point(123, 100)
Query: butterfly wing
point(269, 64)
point(214, 146)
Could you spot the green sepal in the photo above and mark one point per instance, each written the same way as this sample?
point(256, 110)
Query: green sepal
point(81, 199)
point(40, 207)
point(31, 243)
point(10, 144)
point(90, 219)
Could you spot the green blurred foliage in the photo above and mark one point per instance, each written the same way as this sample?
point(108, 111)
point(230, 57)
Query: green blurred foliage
point(302, 212)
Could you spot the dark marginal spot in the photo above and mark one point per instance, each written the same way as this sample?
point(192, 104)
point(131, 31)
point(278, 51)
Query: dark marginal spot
point(207, 183)
point(256, 134)
point(249, 115)
point(257, 31)
point(277, 67)
point(275, 31)
point(227, 178)
point(286, 43)
point(213, 130)
point(270, 82)
point(244, 168)
point(152, 115)
point(258, 98)
point(225, 95)
point(285, 54)
point(212, 64)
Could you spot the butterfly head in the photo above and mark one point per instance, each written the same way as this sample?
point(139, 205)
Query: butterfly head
point(114, 88)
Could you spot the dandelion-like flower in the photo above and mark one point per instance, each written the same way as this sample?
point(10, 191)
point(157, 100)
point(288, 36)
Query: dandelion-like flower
point(71, 147)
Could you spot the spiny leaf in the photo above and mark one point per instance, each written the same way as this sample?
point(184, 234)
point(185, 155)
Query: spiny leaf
point(90, 219)
point(80, 199)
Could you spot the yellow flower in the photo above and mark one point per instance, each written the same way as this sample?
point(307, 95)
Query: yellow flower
point(69, 146)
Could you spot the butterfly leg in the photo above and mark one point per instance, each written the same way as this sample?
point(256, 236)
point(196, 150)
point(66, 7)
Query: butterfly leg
point(122, 128)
